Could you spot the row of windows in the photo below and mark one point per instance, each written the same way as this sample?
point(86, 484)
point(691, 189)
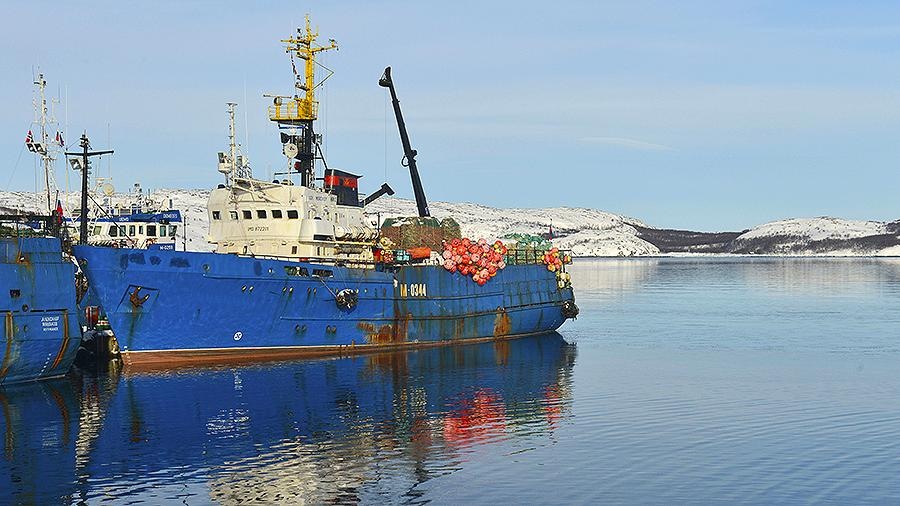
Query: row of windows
point(262, 214)
point(132, 230)
point(292, 270)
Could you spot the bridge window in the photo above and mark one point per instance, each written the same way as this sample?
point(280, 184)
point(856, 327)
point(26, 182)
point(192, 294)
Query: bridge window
point(172, 230)
point(151, 230)
point(261, 213)
point(131, 230)
point(276, 213)
point(98, 230)
point(162, 230)
point(217, 215)
point(292, 214)
point(292, 270)
point(232, 215)
point(248, 215)
point(114, 231)
point(322, 273)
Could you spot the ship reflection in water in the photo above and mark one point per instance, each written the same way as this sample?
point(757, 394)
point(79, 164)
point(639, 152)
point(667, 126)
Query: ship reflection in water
point(362, 428)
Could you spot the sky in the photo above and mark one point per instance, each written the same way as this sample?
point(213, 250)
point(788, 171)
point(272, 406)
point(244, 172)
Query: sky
point(696, 115)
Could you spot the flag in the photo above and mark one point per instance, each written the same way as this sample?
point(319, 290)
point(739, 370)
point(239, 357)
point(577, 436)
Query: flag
point(59, 211)
point(59, 139)
point(29, 139)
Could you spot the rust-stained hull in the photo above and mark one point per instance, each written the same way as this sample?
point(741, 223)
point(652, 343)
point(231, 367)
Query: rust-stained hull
point(38, 307)
point(138, 361)
point(183, 308)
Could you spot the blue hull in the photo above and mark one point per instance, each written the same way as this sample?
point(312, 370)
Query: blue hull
point(169, 306)
point(37, 301)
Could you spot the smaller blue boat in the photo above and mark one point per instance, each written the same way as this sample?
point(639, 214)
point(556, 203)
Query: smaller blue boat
point(38, 304)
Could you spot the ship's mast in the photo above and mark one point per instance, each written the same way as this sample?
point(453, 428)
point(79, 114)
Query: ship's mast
point(44, 149)
point(233, 164)
point(295, 115)
point(232, 147)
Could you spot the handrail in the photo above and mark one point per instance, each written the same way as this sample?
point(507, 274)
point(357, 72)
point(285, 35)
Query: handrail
point(50, 223)
point(293, 111)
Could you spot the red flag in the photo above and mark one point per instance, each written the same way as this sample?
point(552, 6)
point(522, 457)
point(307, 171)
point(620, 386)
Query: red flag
point(59, 139)
point(59, 210)
point(29, 139)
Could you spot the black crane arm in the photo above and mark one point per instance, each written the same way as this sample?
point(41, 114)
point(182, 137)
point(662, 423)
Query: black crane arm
point(408, 152)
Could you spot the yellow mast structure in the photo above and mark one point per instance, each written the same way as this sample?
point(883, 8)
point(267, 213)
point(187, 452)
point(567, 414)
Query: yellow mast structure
point(301, 108)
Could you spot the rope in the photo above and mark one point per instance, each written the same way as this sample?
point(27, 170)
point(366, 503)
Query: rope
point(18, 159)
point(327, 287)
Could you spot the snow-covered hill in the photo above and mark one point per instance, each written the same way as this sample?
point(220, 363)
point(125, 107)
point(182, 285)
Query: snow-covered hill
point(587, 232)
point(821, 236)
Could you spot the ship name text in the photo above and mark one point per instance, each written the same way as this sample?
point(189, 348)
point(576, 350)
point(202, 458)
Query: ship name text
point(413, 290)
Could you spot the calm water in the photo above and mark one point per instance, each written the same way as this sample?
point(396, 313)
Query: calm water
point(682, 381)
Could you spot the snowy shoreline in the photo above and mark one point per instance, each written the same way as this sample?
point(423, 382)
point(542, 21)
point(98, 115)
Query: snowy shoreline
point(588, 233)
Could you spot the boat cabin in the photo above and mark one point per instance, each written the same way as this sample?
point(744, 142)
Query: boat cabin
point(280, 219)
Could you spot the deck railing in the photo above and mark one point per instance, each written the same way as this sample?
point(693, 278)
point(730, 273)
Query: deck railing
point(293, 111)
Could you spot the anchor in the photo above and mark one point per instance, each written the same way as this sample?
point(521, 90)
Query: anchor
point(136, 299)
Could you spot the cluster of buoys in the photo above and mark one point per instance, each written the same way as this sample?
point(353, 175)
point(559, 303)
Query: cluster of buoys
point(553, 260)
point(478, 259)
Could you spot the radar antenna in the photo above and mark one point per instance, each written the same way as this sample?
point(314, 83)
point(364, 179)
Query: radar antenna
point(295, 115)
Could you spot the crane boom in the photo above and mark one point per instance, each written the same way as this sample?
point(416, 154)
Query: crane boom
point(408, 152)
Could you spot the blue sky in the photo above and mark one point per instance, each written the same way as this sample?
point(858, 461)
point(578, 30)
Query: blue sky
point(702, 115)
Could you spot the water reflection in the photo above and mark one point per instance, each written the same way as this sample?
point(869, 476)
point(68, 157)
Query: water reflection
point(816, 276)
point(39, 423)
point(610, 277)
point(315, 431)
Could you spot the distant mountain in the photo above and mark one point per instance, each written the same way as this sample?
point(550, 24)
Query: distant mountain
point(797, 236)
point(820, 236)
point(587, 232)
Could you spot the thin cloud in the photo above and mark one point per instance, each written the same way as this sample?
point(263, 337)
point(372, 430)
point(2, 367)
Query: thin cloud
point(627, 143)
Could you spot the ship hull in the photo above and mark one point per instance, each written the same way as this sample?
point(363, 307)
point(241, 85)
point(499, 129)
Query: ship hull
point(38, 306)
point(185, 308)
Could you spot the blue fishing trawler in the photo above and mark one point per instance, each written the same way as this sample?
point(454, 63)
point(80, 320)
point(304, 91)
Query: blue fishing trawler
point(41, 330)
point(300, 270)
point(37, 279)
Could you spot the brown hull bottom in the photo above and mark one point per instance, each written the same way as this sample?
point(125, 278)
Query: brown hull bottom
point(163, 360)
